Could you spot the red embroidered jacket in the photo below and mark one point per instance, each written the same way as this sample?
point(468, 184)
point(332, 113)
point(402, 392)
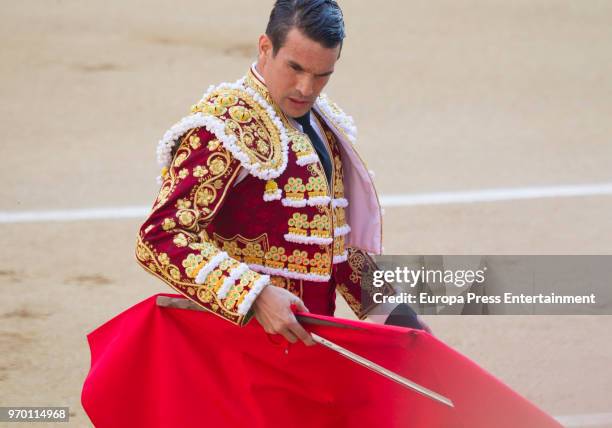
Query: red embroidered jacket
point(245, 203)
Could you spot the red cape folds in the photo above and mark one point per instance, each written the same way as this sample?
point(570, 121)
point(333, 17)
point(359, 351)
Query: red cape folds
point(166, 367)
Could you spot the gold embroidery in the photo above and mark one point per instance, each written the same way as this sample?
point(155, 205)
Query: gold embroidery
point(256, 135)
point(240, 114)
point(320, 226)
point(180, 240)
point(316, 186)
point(183, 173)
point(300, 144)
point(353, 303)
point(245, 249)
point(199, 171)
point(276, 257)
point(294, 189)
point(298, 224)
point(213, 145)
point(168, 224)
point(194, 142)
point(298, 261)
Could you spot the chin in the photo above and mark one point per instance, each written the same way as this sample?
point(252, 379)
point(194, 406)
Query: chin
point(295, 112)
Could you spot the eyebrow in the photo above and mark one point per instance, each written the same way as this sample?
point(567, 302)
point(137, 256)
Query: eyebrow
point(300, 68)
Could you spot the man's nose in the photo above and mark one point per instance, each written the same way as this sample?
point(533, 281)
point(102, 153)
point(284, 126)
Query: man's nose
point(305, 86)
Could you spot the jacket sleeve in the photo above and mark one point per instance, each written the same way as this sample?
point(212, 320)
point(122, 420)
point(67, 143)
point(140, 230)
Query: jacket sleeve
point(353, 282)
point(173, 244)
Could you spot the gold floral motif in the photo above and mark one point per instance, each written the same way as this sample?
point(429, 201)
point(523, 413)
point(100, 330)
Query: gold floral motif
point(300, 144)
point(226, 99)
point(298, 261)
point(179, 159)
point(320, 226)
point(253, 253)
point(292, 285)
point(205, 294)
point(164, 259)
point(174, 272)
point(338, 245)
point(204, 196)
point(180, 240)
point(183, 173)
point(231, 248)
point(213, 144)
point(298, 224)
point(206, 248)
point(199, 171)
point(338, 178)
point(168, 224)
point(294, 188)
point(320, 264)
point(194, 142)
point(217, 166)
point(191, 264)
point(240, 114)
point(183, 204)
point(186, 217)
point(212, 109)
point(316, 186)
point(276, 257)
point(339, 216)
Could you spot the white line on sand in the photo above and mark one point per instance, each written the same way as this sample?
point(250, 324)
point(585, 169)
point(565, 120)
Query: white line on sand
point(493, 195)
point(585, 420)
point(401, 200)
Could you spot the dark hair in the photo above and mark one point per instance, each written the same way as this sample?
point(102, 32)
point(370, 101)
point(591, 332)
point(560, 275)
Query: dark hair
point(319, 20)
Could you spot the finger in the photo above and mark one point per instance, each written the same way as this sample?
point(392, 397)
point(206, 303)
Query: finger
point(301, 306)
point(302, 334)
point(288, 334)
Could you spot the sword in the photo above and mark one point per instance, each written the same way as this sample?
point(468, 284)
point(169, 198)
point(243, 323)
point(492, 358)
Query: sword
point(180, 303)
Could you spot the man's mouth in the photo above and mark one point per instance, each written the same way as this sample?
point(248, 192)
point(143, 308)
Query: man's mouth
point(298, 102)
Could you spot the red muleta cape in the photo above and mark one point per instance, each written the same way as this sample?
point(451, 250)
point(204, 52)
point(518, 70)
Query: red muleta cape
point(164, 367)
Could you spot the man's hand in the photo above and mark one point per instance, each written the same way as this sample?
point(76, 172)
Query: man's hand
point(273, 311)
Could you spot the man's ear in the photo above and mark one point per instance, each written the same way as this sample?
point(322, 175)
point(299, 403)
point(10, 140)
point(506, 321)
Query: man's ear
point(265, 48)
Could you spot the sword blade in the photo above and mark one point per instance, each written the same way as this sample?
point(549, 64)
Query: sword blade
point(382, 371)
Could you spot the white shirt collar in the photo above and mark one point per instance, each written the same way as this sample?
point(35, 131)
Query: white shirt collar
point(256, 73)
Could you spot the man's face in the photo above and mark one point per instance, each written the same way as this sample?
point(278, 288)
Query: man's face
point(299, 71)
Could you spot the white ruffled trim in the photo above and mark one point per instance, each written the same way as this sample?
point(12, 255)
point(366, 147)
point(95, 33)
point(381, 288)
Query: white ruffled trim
point(341, 119)
point(231, 279)
point(341, 258)
point(286, 273)
point(342, 230)
point(308, 159)
point(339, 202)
point(217, 127)
point(210, 266)
point(248, 300)
point(311, 202)
point(311, 240)
point(278, 193)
